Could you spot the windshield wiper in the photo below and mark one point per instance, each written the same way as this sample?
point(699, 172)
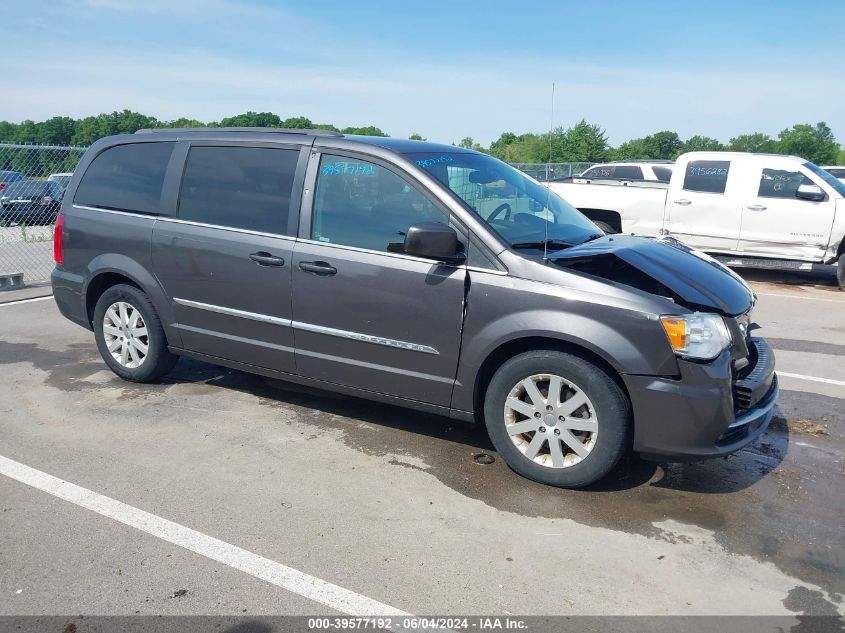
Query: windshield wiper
point(545, 244)
point(592, 237)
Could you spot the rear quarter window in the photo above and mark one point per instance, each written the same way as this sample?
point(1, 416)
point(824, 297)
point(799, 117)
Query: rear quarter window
point(707, 176)
point(126, 177)
point(623, 172)
point(663, 174)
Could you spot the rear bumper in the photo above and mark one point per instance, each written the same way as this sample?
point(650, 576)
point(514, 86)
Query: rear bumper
point(68, 293)
point(707, 412)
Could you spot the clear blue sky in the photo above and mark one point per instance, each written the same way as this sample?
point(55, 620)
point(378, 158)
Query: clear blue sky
point(443, 69)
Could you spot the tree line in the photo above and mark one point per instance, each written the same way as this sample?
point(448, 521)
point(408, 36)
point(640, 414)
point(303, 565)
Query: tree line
point(582, 142)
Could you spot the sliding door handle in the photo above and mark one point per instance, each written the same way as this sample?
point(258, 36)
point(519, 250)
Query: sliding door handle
point(756, 207)
point(683, 202)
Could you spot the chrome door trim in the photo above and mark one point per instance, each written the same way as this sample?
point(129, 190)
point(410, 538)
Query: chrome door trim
point(255, 316)
point(234, 229)
point(364, 338)
point(309, 327)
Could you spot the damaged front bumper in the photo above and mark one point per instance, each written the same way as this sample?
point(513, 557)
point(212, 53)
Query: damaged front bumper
point(709, 411)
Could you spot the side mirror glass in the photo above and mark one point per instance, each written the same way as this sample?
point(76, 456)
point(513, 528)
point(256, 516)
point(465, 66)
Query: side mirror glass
point(810, 192)
point(434, 240)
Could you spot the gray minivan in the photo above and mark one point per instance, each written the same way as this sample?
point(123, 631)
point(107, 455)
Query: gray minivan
point(424, 275)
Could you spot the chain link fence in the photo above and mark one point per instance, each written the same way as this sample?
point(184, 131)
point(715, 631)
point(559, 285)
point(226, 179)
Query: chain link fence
point(33, 179)
point(545, 172)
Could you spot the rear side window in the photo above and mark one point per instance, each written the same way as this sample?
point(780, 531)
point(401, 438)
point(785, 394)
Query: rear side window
point(839, 173)
point(707, 176)
point(623, 172)
point(126, 177)
point(663, 174)
point(239, 187)
point(778, 183)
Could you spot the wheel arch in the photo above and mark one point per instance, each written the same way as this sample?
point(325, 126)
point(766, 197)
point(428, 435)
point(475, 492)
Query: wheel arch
point(111, 269)
point(611, 218)
point(513, 347)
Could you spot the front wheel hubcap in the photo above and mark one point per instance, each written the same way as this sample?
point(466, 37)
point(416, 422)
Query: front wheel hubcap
point(125, 334)
point(551, 420)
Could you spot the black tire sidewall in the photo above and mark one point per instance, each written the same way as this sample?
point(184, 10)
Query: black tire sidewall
point(159, 360)
point(840, 272)
point(612, 409)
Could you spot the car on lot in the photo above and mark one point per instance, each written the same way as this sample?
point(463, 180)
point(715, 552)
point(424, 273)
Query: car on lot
point(30, 202)
point(395, 270)
point(836, 170)
point(760, 210)
point(61, 179)
point(652, 170)
point(7, 177)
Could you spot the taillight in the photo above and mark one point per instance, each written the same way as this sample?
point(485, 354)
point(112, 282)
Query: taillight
point(2, 186)
point(57, 239)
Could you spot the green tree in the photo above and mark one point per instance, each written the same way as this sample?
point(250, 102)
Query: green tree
point(664, 145)
point(498, 147)
point(813, 143)
point(416, 137)
point(757, 142)
point(297, 123)
point(252, 119)
point(632, 150)
point(583, 142)
point(369, 130)
point(701, 144)
point(183, 122)
point(841, 159)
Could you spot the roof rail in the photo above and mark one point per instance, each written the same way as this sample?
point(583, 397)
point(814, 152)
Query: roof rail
point(275, 130)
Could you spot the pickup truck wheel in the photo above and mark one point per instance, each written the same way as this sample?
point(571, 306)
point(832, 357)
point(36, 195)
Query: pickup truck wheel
point(129, 335)
point(557, 418)
point(604, 226)
point(840, 272)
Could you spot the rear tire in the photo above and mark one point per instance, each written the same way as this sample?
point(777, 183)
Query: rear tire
point(840, 272)
point(591, 437)
point(129, 335)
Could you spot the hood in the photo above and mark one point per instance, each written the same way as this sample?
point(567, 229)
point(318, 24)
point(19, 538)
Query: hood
point(691, 277)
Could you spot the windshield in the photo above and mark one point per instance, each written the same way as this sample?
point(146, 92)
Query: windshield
point(522, 211)
point(829, 178)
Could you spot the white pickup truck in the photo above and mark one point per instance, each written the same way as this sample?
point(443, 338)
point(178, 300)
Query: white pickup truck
point(760, 210)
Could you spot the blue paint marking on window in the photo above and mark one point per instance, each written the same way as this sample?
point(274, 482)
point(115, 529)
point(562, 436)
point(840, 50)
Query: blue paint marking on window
point(435, 160)
point(344, 168)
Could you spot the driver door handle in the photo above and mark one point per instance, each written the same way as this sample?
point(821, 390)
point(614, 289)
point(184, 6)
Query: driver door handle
point(263, 258)
point(756, 207)
point(318, 268)
point(683, 202)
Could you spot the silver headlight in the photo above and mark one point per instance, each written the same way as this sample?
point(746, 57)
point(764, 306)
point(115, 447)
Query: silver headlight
point(700, 335)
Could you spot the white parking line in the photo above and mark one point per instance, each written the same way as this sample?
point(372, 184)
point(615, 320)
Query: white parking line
point(771, 294)
point(827, 381)
point(287, 578)
point(17, 303)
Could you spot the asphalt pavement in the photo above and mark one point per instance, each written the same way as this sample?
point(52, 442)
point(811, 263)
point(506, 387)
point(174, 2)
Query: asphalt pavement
point(219, 492)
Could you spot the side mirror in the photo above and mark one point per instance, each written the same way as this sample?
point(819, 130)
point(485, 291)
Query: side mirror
point(434, 240)
point(810, 192)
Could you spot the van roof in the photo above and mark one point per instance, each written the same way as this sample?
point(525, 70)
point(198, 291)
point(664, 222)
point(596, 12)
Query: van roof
point(397, 145)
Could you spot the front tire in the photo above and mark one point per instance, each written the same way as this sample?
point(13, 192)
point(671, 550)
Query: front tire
point(129, 335)
point(556, 418)
point(840, 272)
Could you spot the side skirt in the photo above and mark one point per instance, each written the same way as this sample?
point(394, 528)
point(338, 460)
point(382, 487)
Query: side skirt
point(455, 414)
